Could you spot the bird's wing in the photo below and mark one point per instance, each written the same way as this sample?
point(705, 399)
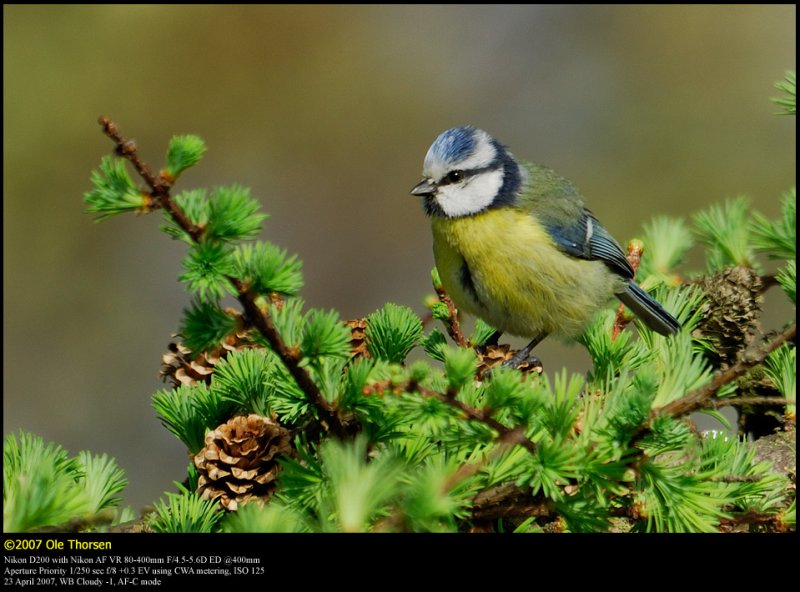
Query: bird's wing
point(587, 239)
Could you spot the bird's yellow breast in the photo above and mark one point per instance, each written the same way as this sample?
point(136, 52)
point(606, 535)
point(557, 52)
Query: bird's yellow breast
point(502, 266)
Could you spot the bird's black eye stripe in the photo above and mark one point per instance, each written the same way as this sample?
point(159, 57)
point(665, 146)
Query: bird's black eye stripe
point(459, 175)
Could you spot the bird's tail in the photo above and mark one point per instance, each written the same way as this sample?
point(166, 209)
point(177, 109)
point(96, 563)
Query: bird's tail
point(646, 308)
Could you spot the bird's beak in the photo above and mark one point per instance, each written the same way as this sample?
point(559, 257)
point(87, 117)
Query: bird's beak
point(424, 187)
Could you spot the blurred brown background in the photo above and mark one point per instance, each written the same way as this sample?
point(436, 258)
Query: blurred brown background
point(326, 113)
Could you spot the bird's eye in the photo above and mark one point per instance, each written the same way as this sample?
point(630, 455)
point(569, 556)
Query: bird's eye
point(455, 176)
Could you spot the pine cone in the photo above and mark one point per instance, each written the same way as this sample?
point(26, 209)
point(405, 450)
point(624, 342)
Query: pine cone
point(358, 339)
point(731, 312)
point(495, 355)
point(181, 366)
point(238, 463)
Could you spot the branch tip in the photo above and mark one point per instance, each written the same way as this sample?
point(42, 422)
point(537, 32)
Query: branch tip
point(160, 187)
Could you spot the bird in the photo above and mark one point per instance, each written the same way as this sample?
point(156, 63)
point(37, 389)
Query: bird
point(515, 245)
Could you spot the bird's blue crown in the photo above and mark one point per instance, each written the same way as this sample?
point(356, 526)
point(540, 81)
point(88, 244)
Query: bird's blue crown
point(453, 145)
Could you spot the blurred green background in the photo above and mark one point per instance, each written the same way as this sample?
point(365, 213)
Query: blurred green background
point(326, 113)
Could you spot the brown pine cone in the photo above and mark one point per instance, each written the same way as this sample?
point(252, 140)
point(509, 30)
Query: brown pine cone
point(239, 461)
point(182, 366)
point(731, 312)
point(358, 340)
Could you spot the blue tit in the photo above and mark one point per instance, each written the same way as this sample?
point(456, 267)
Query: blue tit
point(515, 245)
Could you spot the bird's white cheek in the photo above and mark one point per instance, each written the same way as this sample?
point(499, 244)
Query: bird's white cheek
point(470, 197)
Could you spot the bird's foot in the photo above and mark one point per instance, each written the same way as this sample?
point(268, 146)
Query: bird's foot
point(502, 356)
point(525, 361)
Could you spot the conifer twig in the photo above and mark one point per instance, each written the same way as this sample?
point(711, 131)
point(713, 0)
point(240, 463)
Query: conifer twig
point(510, 501)
point(751, 518)
point(453, 326)
point(160, 187)
point(736, 479)
point(702, 396)
point(716, 403)
point(515, 435)
point(397, 519)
